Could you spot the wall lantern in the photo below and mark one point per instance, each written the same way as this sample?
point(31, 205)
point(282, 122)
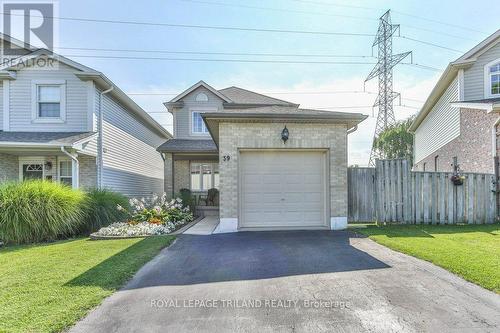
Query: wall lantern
point(48, 166)
point(284, 134)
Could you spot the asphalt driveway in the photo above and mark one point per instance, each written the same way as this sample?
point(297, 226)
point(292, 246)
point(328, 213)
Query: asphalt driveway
point(315, 281)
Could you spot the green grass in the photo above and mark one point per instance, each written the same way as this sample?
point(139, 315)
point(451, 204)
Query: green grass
point(470, 251)
point(48, 287)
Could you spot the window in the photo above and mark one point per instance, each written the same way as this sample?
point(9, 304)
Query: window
point(494, 72)
point(202, 97)
point(436, 163)
point(204, 176)
point(198, 126)
point(425, 166)
point(49, 101)
point(65, 172)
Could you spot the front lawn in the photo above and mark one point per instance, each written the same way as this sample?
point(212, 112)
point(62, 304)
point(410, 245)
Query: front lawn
point(48, 287)
point(471, 251)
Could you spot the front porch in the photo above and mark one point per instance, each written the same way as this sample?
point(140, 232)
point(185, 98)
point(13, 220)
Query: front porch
point(63, 157)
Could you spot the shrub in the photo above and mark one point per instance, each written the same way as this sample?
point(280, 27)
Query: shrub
point(35, 211)
point(101, 210)
point(188, 199)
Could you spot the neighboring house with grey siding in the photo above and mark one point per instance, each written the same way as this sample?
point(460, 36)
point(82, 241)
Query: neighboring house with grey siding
point(277, 166)
point(69, 123)
point(460, 119)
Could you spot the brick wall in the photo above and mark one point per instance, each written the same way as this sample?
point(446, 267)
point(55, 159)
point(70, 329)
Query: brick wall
point(181, 175)
point(9, 167)
point(473, 147)
point(167, 176)
point(267, 135)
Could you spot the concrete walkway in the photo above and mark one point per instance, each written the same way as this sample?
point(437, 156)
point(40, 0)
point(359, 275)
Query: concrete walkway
point(204, 227)
point(294, 281)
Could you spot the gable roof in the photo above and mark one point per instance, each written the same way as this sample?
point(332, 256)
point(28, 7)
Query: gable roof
point(232, 97)
point(450, 73)
point(243, 96)
point(196, 86)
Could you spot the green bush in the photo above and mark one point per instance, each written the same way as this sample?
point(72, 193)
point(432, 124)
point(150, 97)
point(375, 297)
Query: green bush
point(35, 211)
point(101, 210)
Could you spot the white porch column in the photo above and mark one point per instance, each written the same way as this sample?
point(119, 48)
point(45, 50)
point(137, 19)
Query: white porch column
point(75, 173)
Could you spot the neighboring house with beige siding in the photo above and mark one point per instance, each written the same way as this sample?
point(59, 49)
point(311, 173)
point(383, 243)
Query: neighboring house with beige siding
point(69, 123)
point(459, 122)
point(277, 166)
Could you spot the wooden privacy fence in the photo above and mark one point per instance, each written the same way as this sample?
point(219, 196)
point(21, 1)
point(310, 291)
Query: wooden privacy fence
point(401, 195)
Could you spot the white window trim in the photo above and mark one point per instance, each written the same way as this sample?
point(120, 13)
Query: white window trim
point(199, 110)
point(31, 160)
point(201, 97)
point(34, 102)
point(63, 159)
point(201, 175)
point(487, 79)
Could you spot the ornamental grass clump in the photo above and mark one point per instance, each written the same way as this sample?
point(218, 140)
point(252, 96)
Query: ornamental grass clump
point(101, 209)
point(37, 211)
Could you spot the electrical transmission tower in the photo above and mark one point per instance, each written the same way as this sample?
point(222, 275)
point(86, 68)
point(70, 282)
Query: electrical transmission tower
point(383, 69)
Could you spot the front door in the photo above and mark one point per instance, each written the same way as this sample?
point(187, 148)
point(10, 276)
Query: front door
point(32, 171)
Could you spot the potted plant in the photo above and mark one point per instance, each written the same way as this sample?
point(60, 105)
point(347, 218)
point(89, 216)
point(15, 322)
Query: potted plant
point(457, 179)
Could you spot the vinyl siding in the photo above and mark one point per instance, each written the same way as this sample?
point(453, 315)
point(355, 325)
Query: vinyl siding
point(474, 76)
point(1, 105)
point(440, 126)
point(21, 101)
point(132, 165)
point(182, 115)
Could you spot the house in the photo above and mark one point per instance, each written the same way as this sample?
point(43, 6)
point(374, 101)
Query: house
point(277, 166)
point(63, 121)
point(459, 122)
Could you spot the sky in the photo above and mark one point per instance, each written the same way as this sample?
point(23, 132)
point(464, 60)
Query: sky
point(335, 83)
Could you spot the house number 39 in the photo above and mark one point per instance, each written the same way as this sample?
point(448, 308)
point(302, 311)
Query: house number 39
point(226, 158)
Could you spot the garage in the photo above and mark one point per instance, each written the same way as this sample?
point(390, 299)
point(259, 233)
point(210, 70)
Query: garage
point(283, 189)
point(281, 168)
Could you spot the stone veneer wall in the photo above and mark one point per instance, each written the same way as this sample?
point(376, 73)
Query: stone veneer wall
point(181, 175)
point(233, 136)
point(9, 167)
point(473, 147)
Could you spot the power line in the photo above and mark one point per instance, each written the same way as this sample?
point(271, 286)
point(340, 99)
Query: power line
point(317, 13)
point(429, 43)
point(212, 27)
point(279, 9)
point(241, 60)
point(394, 11)
point(224, 60)
point(307, 32)
point(279, 93)
point(220, 53)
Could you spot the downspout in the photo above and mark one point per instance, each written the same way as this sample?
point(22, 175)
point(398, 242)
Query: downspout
point(100, 149)
point(76, 171)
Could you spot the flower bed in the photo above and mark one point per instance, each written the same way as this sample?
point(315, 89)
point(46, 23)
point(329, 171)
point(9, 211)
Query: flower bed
point(149, 217)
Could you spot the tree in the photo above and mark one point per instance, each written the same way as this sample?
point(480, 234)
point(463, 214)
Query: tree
point(396, 141)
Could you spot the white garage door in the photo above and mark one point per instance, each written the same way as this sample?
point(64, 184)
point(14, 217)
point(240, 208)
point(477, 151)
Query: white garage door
point(282, 189)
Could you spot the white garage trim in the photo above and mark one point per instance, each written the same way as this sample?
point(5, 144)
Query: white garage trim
point(324, 183)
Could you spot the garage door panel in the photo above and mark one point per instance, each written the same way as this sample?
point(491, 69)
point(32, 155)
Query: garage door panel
point(282, 189)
